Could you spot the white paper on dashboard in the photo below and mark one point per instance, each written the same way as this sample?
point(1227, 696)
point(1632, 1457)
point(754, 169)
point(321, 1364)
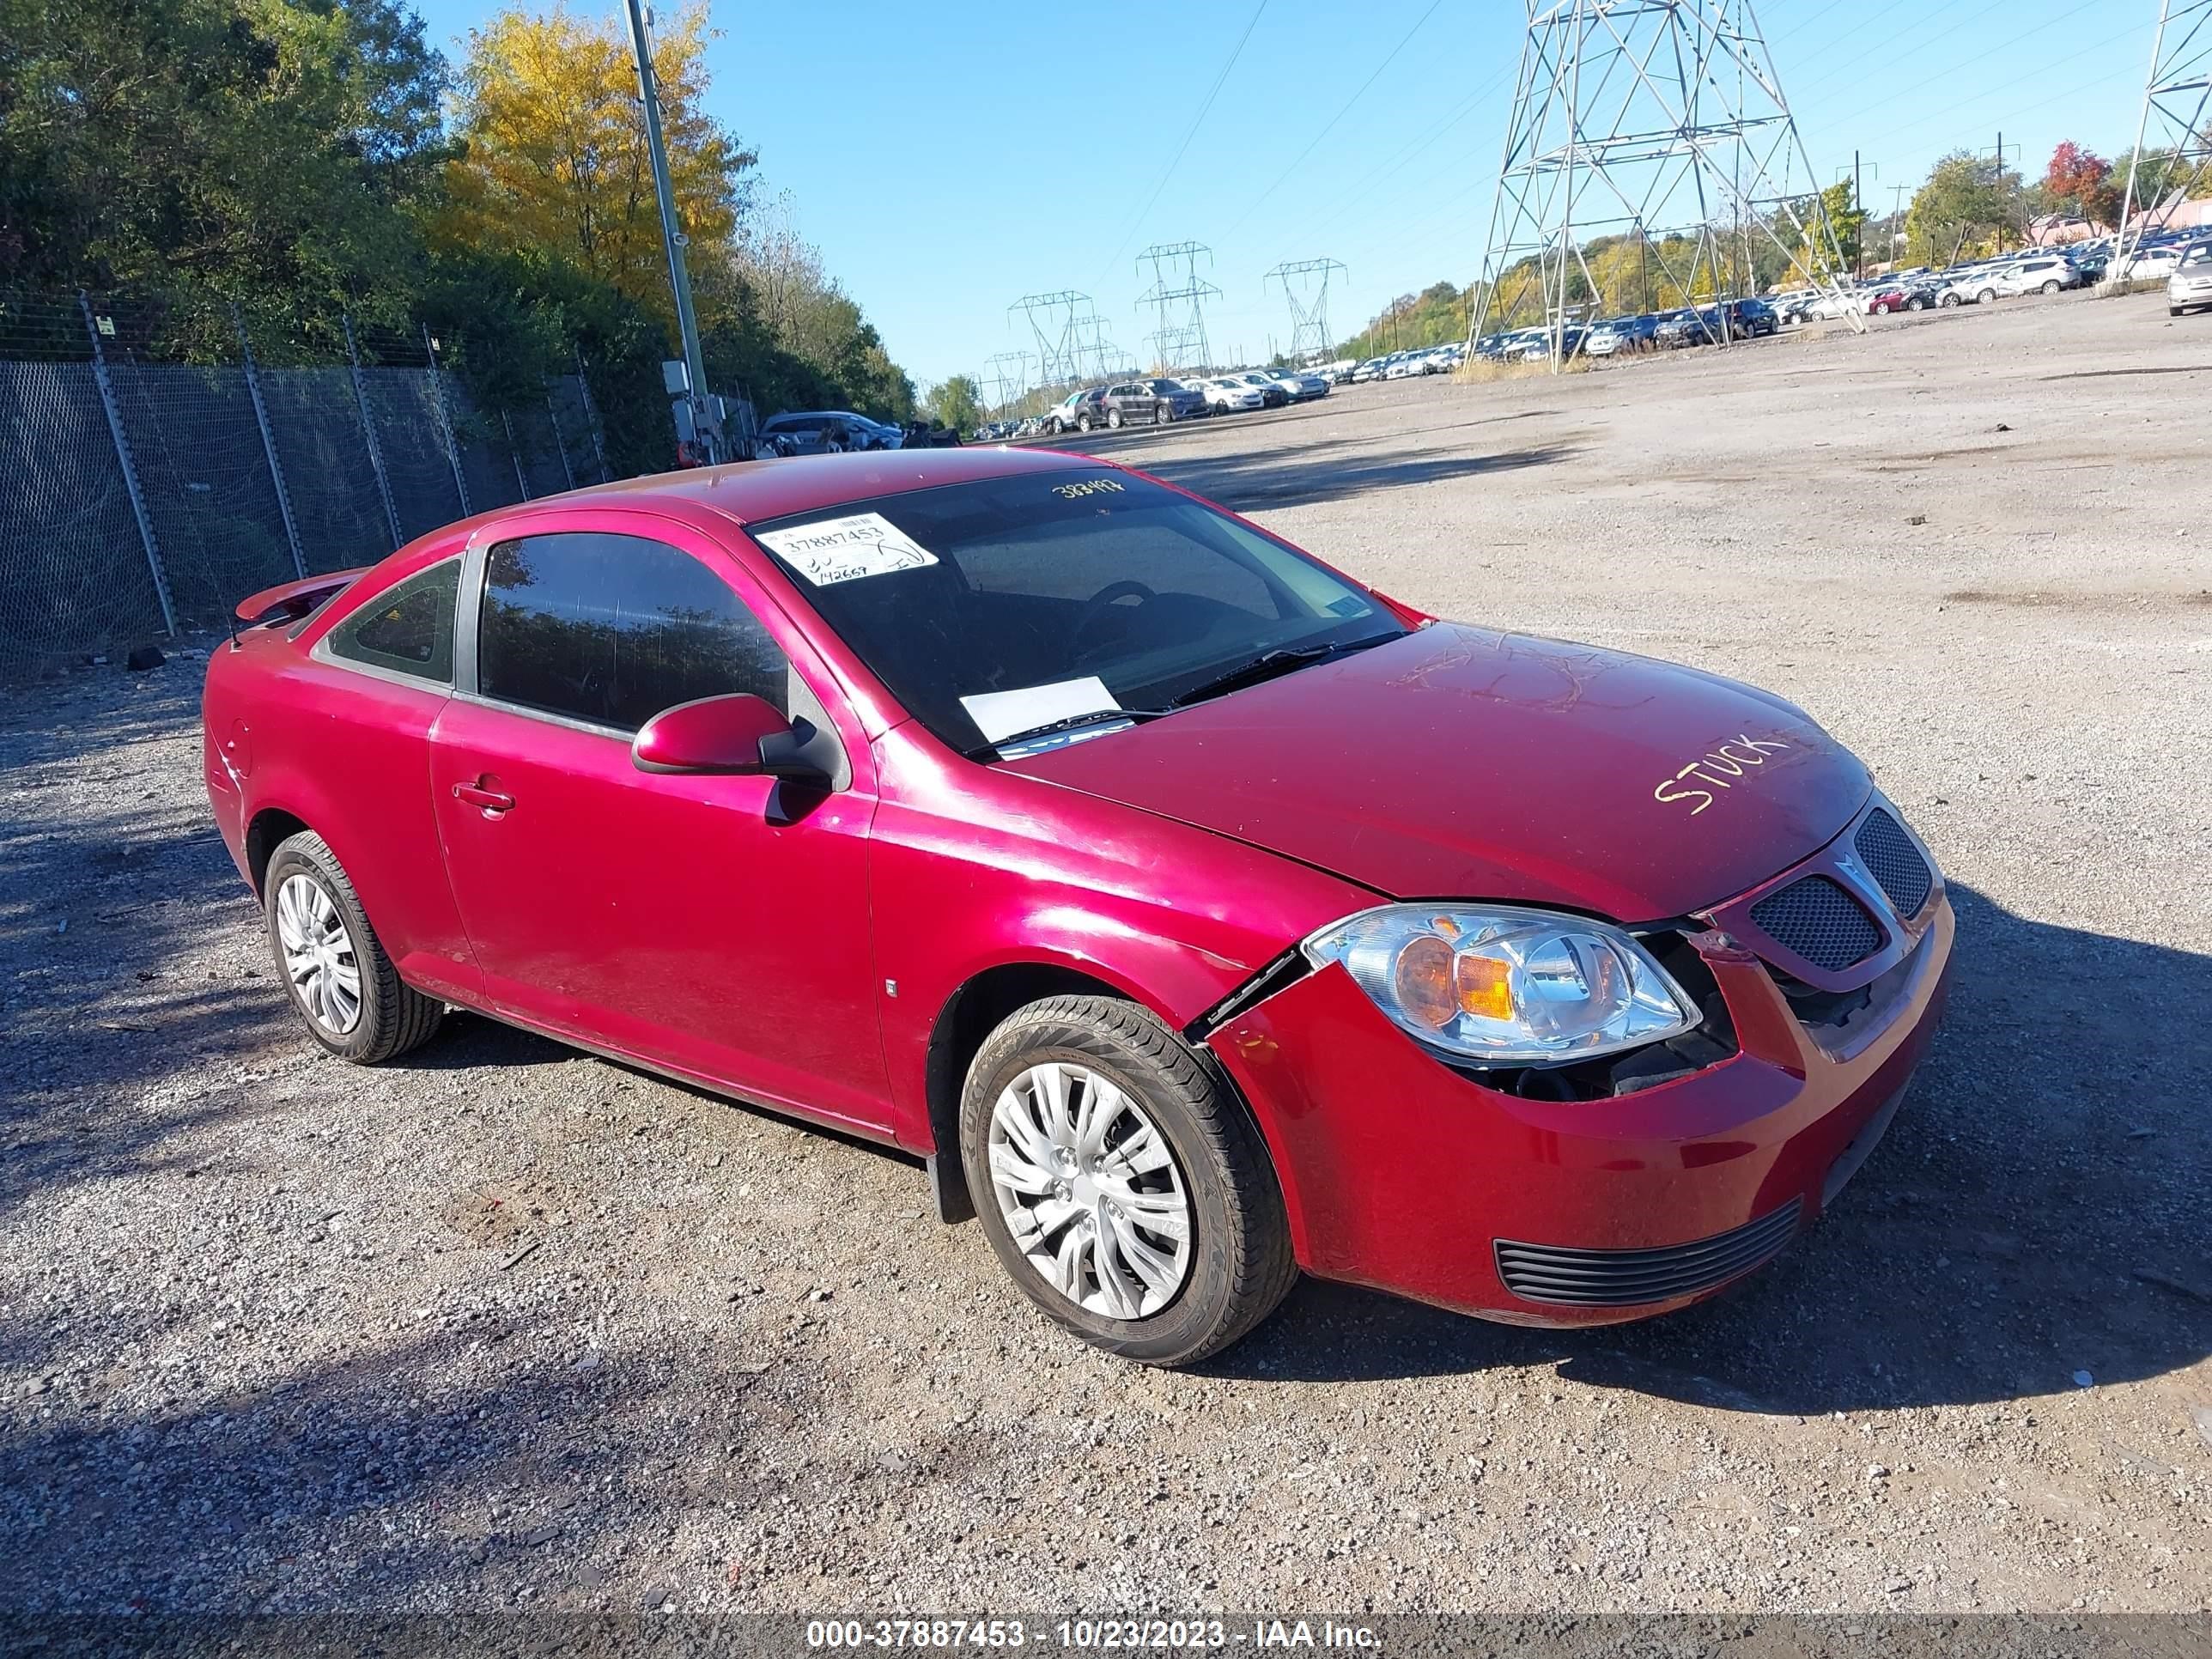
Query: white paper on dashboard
point(831, 551)
point(1001, 714)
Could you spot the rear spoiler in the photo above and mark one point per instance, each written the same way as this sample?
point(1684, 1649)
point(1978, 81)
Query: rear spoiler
point(287, 602)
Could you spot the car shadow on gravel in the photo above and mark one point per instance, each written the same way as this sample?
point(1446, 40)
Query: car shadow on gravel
point(1269, 479)
point(422, 1466)
point(2036, 1213)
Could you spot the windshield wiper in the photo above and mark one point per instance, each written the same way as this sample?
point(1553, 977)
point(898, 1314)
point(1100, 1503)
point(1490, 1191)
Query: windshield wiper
point(1067, 723)
point(1268, 665)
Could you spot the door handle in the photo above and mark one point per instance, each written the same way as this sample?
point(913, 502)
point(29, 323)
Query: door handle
point(490, 800)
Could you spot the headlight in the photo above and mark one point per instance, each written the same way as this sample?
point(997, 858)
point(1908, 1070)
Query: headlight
point(1506, 986)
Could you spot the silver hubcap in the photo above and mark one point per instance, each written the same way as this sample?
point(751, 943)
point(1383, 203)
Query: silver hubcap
point(319, 954)
point(1090, 1191)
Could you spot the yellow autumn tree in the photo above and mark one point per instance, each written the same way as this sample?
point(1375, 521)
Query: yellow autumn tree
point(555, 158)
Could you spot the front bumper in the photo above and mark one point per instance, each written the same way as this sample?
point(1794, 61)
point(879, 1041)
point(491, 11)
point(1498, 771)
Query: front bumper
point(1402, 1173)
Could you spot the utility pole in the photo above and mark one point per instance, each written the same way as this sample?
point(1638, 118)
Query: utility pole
point(1858, 195)
point(705, 422)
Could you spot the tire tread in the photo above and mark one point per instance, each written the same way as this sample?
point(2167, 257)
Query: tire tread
point(1261, 1268)
point(404, 1019)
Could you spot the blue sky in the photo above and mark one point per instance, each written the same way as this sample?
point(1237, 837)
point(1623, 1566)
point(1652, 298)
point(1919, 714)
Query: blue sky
point(950, 158)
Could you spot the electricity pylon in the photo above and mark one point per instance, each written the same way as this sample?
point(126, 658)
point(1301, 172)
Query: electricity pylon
point(1305, 285)
point(1632, 113)
point(1096, 356)
point(1179, 341)
point(1009, 376)
point(1054, 319)
point(2175, 123)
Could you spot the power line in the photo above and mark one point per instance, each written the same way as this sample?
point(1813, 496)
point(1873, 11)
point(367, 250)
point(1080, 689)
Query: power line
point(1254, 205)
point(1212, 92)
point(1370, 203)
point(1890, 46)
point(2010, 42)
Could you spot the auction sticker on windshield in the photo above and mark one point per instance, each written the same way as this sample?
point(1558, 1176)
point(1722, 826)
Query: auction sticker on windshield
point(831, 551)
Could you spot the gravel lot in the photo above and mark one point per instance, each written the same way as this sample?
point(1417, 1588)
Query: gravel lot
point(502, 1326)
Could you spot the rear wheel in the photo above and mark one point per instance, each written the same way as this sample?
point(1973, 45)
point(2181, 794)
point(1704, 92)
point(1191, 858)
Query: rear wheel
point(1988, 296)
point(1125, 1191)
point(341, 981)
point(1163, 414)
point(1916, 304)
point(2051, 286)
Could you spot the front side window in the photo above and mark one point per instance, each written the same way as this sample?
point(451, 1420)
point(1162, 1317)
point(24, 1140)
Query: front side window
point(611, 629)
point(407, 630)
point(1046, 581)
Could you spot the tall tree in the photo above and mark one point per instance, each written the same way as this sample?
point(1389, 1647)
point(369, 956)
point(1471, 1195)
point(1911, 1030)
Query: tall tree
point(1846, 217)
point(956, 402)
point(1962, 208)
point(2081, 181)
point(266, 151)
point(555, 157)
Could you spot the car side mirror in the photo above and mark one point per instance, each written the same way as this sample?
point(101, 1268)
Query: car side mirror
point(738, 735)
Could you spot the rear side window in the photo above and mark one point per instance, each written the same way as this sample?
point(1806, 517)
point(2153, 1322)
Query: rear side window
point(408, 629)
point(612, 629)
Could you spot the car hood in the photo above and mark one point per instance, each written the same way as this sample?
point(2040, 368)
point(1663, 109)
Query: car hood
point(1462, 763)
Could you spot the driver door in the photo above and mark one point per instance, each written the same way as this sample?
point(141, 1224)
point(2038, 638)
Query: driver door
point(715, 927)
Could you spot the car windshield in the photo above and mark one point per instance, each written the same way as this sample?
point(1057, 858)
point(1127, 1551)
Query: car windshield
point(2199, 255)
point(997, 606)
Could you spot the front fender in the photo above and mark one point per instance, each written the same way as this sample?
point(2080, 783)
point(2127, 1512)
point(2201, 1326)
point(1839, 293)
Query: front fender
point(972, 868)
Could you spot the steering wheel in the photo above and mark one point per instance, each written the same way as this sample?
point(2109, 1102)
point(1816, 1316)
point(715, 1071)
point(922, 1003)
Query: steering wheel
point(1096, 607)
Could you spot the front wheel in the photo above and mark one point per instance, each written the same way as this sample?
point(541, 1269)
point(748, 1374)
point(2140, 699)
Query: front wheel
point(341, 979)
point(1950, 300)
point(1083, 424)
point(1163, 414)
point(1114, 417)
point(1123, 1189)
point(1915, 305)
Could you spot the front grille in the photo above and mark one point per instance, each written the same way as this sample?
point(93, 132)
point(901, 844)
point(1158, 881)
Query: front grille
point(1820, 921)
point(1628, 1279)
point(1894, 862)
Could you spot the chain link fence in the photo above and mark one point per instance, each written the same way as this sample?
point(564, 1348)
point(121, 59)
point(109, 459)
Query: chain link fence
point(138, 498)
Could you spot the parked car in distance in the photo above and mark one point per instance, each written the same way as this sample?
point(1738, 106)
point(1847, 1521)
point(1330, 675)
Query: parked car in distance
point(1620, 334)
point(2149, 262)
point(1750, 319)
point(2189, 287)
point(1271, 393)
point(820, 432)
point(2044, 274)
point(1373, 369)
point(1693, 326)
point(1970, 285)
point(1113, 857)
point(1299, 385)
point(1229, 394)
point(1078, 412)
point(1153, 402)
point(1794, 305)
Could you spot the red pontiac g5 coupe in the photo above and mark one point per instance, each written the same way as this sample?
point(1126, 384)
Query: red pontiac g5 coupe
point(1198, 913)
